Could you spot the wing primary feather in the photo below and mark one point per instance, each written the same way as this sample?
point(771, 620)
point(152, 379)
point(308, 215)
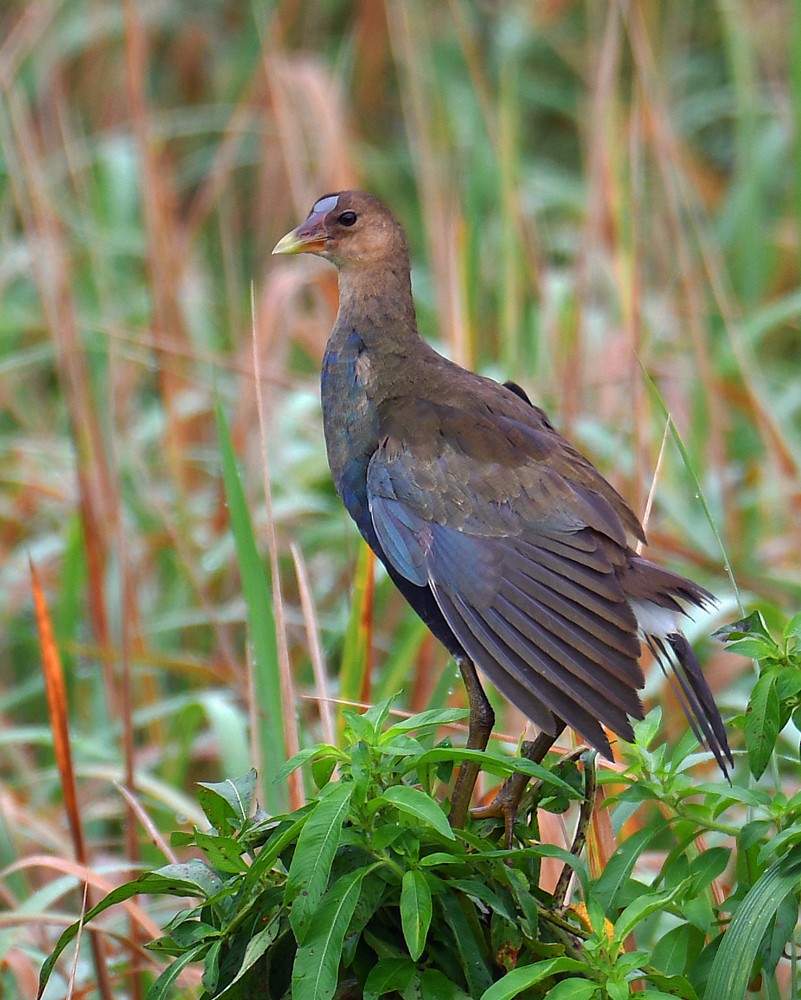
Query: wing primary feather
point(501, 663)
point(583, 599)
point(623, 638)
point(611, 707)
point(595, 670)
point(623, 665)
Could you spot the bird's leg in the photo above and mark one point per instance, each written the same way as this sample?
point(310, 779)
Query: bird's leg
point(482, 719)
point(505, 804)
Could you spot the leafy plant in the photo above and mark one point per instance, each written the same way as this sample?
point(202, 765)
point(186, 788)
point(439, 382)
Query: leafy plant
point(367, 890)
point(776, 697)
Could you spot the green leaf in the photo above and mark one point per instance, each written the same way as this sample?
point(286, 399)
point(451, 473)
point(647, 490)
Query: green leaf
point(753, 624)
point(494, 764)
point(480, 890)
point(271, 851)
point(164, 987)
point(261, 622)
point(191, 879)
point(469, 943)
point(302, 757)
point(792, 630)
point(256, 947)
point(434, 985)
point(514, 982)
point(314, 855)
point(788, 683)
point(415, 803)
point(316, 970)
point(676, 950)
point(642, 907)
point(762, 723)
point(574, 989)
point(388, 976)
point(731, 969)
point(671, 986)
point(754, 647)
point(432, 718)
point(231, 799)
point(377, 714)
point(415, 910)
point(619, 867)
point(322, 769)
point(707, 866)
point(751, 833)
point(224, 853)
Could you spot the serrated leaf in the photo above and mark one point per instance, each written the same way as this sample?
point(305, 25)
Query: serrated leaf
point(514, 982)
point(314, 855)
point(315, 972)
point(728, 977)
point(415, 803)
point(761, 725)
point(415, 911)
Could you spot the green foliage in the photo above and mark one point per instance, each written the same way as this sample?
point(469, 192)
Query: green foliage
point(582, 184)
point(368, 888)
point(776, 696)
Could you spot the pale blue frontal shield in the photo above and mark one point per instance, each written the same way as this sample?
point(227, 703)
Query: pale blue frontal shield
point(325, 205)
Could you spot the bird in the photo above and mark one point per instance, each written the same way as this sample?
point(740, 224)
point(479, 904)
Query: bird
point(503, 537)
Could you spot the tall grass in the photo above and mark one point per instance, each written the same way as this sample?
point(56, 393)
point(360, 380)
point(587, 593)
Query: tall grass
point(596, 194)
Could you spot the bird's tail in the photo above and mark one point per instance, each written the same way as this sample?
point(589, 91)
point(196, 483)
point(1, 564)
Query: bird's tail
point(678, 662)
point(659, 598)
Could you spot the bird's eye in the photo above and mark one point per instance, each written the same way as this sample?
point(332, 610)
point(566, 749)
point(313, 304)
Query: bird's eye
point(347, 219)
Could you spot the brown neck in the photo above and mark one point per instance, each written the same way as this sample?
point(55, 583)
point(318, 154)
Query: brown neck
point(377, 301)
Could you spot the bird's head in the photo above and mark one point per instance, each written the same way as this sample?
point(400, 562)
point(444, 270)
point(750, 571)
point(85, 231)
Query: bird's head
point(350, 228)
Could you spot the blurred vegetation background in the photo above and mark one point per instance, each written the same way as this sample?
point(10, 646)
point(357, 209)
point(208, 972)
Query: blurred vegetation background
point(604, 204)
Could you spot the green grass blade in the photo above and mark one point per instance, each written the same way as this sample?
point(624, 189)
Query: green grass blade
point(261, 626)
point(728, 978)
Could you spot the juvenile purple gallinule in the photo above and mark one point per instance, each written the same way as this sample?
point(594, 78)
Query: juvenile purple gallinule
point(506, 541)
